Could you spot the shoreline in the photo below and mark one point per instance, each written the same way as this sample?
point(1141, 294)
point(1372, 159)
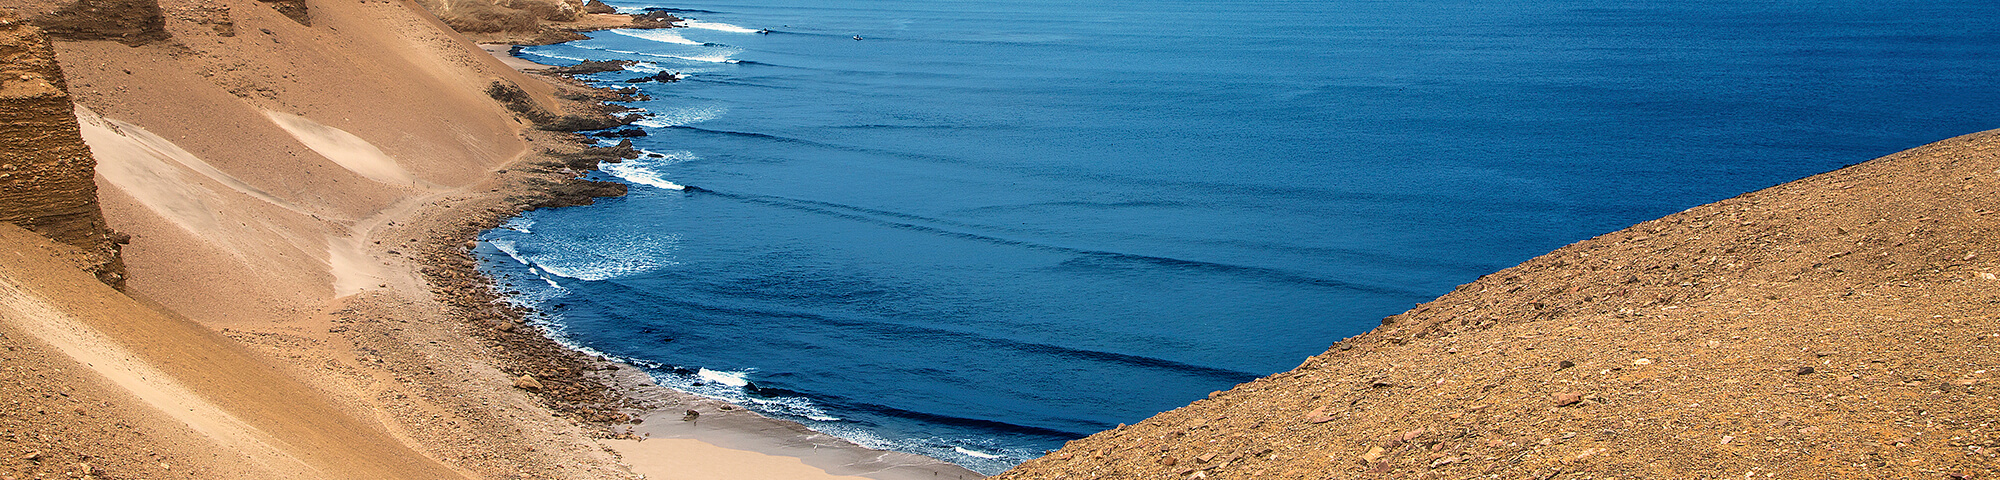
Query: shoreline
point(603, 393)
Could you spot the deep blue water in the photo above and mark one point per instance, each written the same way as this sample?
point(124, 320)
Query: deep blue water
point(991, 226)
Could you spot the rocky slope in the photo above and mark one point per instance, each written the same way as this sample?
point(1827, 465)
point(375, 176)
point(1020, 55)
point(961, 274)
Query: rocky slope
point(1842, 326)
point(535, 22)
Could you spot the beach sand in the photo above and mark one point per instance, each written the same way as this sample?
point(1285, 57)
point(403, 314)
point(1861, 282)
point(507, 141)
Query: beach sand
point(300, 194)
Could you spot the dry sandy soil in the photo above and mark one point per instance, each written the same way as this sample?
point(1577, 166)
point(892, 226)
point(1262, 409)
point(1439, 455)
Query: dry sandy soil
point(299, 181)
point(1842, 326)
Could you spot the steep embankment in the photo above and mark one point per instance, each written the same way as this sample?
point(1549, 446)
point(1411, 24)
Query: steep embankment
point(1842, 326)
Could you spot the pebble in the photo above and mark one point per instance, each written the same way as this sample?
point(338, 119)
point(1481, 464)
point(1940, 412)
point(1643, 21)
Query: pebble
point(1643, 361)
point(1568, 398)
point(1564, 364)
point(1374, 453)
point(527, 382)
point(1805, 370)
point(1319, 415)
point(1413, 434)
point(1169, 461)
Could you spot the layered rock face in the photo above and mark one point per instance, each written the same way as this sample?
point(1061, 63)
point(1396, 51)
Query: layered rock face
point(46, 182)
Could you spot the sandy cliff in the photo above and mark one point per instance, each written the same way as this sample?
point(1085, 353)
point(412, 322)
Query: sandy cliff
point(1842, 326)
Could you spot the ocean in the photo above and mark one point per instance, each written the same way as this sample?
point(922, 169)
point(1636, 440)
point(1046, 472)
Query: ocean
point(977, 229)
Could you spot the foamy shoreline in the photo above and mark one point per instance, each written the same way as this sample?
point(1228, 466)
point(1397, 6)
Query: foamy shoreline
point(724, 440)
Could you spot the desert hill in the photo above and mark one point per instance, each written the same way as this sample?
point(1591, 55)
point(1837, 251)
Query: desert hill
point(1842, 326)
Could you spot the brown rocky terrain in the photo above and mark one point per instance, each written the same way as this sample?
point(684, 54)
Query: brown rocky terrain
point(1842, 326)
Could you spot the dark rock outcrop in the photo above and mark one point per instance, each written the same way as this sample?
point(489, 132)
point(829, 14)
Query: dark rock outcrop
point(590, 66)
point(293, 9)
point(46, 171)
point(133, 22)
point(662, 77)
point(520, 103)
point(621, 133)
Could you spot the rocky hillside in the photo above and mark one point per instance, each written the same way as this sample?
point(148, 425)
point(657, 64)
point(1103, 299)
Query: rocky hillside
point(1842, 326)
point(535, 22)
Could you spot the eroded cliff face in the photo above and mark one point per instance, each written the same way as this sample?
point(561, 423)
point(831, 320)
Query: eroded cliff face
point(132, 22)
point(46, 182)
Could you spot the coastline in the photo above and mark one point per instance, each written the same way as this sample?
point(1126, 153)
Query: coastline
point(633, 415)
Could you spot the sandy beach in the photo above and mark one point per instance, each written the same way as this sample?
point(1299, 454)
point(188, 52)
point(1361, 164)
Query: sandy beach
point(299, 184)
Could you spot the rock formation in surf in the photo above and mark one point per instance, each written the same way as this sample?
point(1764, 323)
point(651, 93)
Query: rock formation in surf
point(46, 180)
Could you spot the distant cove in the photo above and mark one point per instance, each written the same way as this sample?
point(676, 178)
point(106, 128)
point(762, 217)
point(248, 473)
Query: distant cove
point(990, 227)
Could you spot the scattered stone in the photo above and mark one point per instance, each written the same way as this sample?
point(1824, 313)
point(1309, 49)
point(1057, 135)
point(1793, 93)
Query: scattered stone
point(1988, 276)
point(1204, 458)
point(35, 455)
point(1319, 415)
point(1374, 453)
point(1568, 398)
point(1643, 361)
point(1805, 370)
point(1412, 435)
point(1169, 460)
point(527, 382)
point(1564, 364)
point(1445, 461)
point(690, 416)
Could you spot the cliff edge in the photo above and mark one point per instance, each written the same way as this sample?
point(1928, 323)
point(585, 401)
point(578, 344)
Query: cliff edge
point(1840, 326)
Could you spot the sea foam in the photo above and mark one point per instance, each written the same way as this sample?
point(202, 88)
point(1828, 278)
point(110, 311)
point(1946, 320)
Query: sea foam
point(682, 116)
point(973, 453)
point(717, 26)
point(660, 35)
point(644, 170)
